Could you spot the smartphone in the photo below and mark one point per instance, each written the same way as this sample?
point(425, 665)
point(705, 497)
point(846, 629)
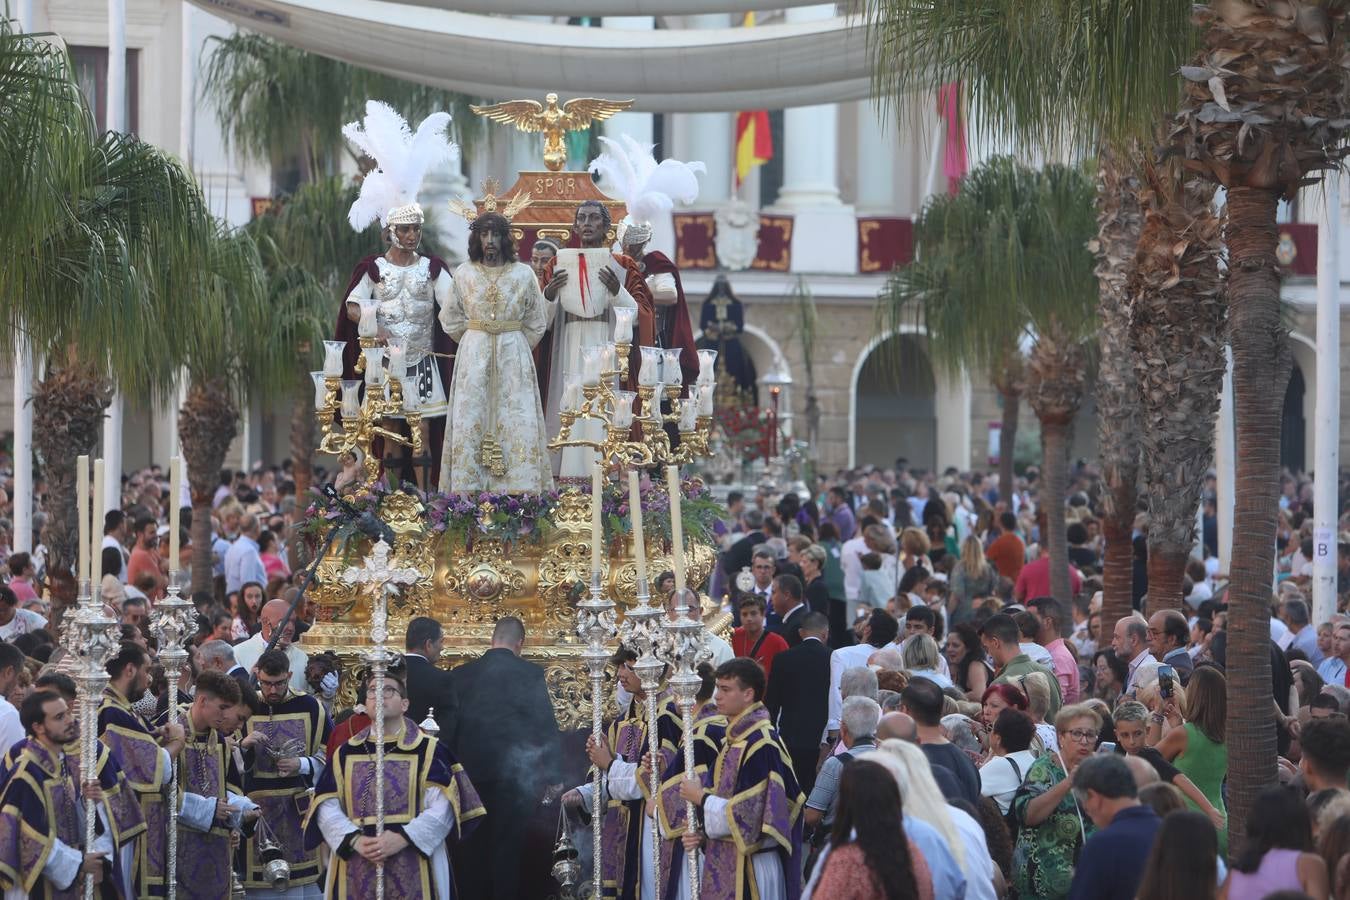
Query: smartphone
point(1106, 747)
point(1167, 679)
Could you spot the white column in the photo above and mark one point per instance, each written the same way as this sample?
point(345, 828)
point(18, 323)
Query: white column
point(1326, 454)
point(878, 152)
point(116, 119)
point(708, 137)
point(637, 125)
point(187, 108)
point(1225, 467)
point(810, 142)
point(26, 23)
point(23, 445)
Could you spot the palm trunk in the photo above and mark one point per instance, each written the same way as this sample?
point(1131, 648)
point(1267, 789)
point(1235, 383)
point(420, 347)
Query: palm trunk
point(68, 408)
point(1055, 466)
point(1260, 369)
point(207, 424)
point(303, 427)
point(1119, 221)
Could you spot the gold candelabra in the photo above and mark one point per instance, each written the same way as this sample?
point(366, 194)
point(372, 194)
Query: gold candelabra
point(593, 395)
point(352, 412)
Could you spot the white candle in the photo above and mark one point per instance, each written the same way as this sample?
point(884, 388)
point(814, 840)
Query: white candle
point(705, 400)
point(635, 510)
point(623, 408)
point(597, 531)
point(707, 366)
point(591, 359)
point(368, 326)
point(609, 362)
point(689, 413)
point(676, 524)
point(175, 490)
point(332, 357)
point(96, 543)
point(649, 372)
point(671, 373)
point(397, 359)
point(654, 408)
point(623, 324)
point(82, 493)
point(351, 399)
point(320, 388)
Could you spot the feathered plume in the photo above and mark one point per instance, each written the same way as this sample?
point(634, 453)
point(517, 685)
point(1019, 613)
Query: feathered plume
point(402, 159)
point(647, 188)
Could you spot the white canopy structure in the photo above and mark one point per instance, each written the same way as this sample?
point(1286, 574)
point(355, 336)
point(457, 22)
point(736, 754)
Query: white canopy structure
point(608, 7)
point(704, 70)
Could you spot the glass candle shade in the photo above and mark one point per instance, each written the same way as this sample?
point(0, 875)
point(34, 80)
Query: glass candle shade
point(368, 325)
point(623, 408)
point(398, 359)
point(707, 366)
point(649, 373)
point(688, 414)
point(332, 358)
point(623, 324)
point(592, 358)
point(705, 400)
point(374, 365)
point(671, 373)
point(351, 399)
point(320, 388)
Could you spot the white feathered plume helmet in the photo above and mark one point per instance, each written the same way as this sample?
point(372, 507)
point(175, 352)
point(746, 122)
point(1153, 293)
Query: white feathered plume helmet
point(402, 159)
point(647, 188)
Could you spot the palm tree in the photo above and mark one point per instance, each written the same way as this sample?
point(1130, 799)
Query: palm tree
point(1002, 262)
point(249, 342)
point(1177, 315)
point(1265, 107)
point(101, 236)
point(1119, 221)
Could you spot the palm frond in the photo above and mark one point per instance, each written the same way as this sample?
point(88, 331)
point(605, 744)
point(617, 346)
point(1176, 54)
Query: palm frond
point(1048, 73)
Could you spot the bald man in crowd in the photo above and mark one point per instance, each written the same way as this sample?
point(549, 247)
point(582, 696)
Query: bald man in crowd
point(247, 653)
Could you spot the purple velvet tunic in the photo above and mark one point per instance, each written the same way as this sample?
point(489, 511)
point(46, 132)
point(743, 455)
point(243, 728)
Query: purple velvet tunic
point(132, 742)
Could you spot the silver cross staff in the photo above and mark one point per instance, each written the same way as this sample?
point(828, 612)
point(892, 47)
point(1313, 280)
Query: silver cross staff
point(377, 577)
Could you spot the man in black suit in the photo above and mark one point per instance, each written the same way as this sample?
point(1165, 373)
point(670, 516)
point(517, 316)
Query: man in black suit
point(218, 656)
point(792, 610)
point(737, 556)
point(505, 735)
point(798, 697)
point(428, 685)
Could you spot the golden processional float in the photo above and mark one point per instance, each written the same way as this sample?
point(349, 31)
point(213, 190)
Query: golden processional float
point(482, 556)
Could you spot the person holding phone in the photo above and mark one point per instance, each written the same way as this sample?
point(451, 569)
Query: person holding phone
point(1195, 744)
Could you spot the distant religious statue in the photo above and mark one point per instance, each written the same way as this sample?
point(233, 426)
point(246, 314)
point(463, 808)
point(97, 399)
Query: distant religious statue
point(495, 439)
point(721, 324)
point(588, 286)
point(394, 296)
point(552, 120)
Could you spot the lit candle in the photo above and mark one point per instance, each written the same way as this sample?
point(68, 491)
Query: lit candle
point(635, 510)
point(705, 400)
point(412, 401)
point(96, 543)
point(175, 490)
point(332, 357)
point(676, 523)
point(623, 408)
point(597, 531)
point(82, 491)
point(707, 366)
point(689, 413)
point(374, 365)
point(623, 324)
point(320, 388)
point(351, 399)
point(654, 407)
point(591, 359)
point(609, 362)
point(649, 372)
point(397, 359)
point(670, 368)
point(368, 326)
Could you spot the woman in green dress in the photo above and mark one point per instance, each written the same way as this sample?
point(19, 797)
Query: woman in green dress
point(1195, 744)
point(1052, 827)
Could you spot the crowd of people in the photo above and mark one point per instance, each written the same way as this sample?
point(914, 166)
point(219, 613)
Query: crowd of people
point(902, 709)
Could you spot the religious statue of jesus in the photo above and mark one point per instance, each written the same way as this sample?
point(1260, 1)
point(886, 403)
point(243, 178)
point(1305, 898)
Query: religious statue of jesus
point(495, 438)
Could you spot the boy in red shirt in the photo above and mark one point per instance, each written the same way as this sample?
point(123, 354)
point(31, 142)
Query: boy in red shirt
point(752, 639)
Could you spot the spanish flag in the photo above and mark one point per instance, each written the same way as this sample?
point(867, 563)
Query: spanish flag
point(754, 143)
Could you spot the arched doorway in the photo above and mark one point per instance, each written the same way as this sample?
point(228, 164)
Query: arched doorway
point(895, 404)
point(1294, 424)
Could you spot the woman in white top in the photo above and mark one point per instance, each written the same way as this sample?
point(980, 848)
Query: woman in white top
point(1010, 757)
point(922, 659)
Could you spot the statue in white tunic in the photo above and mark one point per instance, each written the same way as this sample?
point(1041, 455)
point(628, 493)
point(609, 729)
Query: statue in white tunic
point(495, 438)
